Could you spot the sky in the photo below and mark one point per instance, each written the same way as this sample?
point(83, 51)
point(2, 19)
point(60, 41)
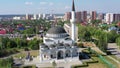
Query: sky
point(57, 6)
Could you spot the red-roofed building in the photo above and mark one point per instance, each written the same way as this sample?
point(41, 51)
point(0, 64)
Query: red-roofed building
point(118, 24)
point(3, 31)
point(19, 25)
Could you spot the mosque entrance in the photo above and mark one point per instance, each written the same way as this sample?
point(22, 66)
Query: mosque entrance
point(60, 55)
point(68, 53)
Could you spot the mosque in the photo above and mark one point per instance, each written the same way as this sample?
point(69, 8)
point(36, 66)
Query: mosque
point(57, 43)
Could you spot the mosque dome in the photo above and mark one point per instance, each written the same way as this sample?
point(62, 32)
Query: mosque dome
point(56, 31)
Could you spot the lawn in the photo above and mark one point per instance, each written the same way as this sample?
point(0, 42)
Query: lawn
point(113, 62)
point(33, 66)
point(115, 57)
point(100, 64)
point(24, 53)
point(92, 64)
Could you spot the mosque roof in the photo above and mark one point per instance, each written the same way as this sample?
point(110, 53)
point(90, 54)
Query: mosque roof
point(56, 30)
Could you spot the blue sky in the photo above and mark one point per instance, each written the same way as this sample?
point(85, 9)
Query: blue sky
point(56, 6)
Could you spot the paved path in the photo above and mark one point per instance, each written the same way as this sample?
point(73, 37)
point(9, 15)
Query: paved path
point(16, 54)
point(9, 56)
point(67, 63)
point(114, 59)
point(114, 49)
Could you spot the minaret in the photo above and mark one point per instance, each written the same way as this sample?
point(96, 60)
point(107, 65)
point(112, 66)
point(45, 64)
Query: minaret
point(73, 28)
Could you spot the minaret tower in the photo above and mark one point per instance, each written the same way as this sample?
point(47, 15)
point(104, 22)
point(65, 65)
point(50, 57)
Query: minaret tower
point(73, 20)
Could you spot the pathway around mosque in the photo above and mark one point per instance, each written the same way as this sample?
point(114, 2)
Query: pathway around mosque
point(114, 49)
point(112, 46)
point(66, 63)
point(23, 53)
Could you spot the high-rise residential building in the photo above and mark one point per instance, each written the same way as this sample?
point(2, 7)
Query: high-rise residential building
point(34, 16)
point(109, 18)
point(116, 17)
point(93, 15)
point(44, 16)
point(50, 17)
point(100, 16)
point(28, 17)
point(40, 16)
point(0, 19)
point(78, 17)
point(16, 18)
point(84, 16)
point(67, 16)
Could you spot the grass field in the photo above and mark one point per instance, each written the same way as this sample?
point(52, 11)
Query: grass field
point(115, 57)
point(33, 66)
point(100, 64)
point(113, 62)
point(24, 53)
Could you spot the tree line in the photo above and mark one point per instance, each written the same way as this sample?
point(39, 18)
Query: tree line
point(8, 46)
point(97, 35)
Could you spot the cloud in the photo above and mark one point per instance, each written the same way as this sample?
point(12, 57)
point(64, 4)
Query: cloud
point(47, 3)
point(42, 8)
point(28, 3)
point(67, 7)
point(43, 3)
point(51, 3)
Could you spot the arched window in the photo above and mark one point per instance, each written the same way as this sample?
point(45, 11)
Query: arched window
point(60, 55)
point(67, 53)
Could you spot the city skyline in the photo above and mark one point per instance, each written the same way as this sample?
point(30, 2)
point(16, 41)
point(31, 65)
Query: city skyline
point(57, 6)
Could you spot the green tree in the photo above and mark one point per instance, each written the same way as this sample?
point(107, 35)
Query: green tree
point(95, 22)
point(81, 32)
point(18, 42)
point(21, 43)
point(112, 35)
point(102, 42)
point(118, 41)
point(6, 63)
point(4, 42)
point(87, 36)
point(34, 44)
point(1, 47)
point(54, 64)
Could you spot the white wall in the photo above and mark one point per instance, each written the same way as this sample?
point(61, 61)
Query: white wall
point(56, 41)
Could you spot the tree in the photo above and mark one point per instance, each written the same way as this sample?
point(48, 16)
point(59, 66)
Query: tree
point(112, 35)
point(118, 41)
point(4, 42)
point(95, 22)
point(87, 36)
point(34, 44)
point(21, 42)
point(102, 41)
point(54, 64)
point(81, 32)
point(8, 44)
point(18, 42)
point(6, 63)
point(1, 47)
